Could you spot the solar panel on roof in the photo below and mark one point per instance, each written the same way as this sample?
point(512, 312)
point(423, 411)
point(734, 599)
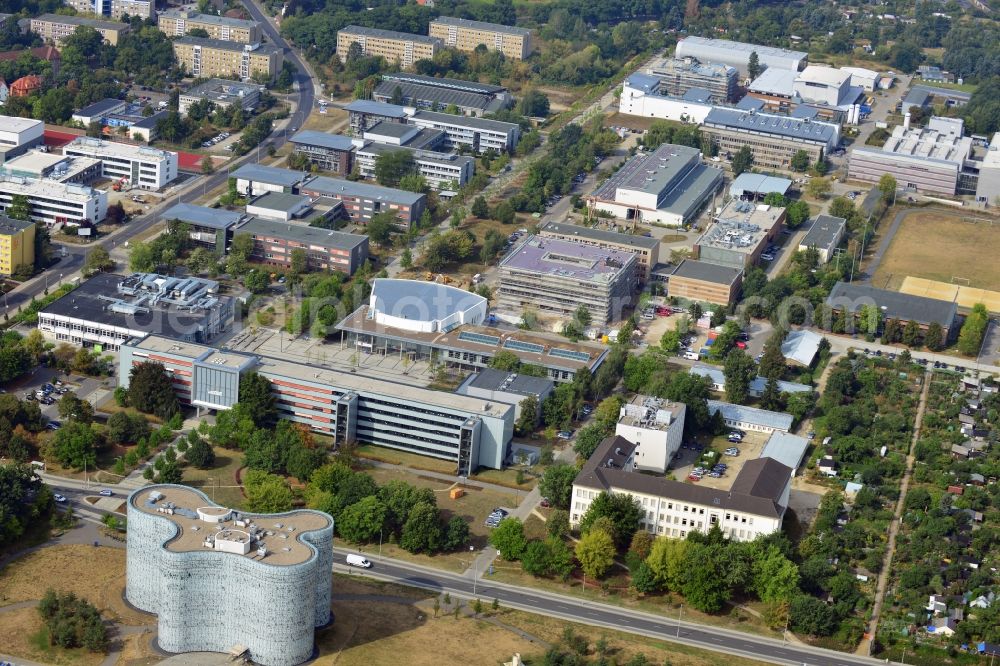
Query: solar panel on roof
point(570, 354)
point(529, 347)
point(479, 338)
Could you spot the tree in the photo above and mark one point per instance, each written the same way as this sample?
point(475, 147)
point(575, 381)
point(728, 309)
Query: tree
point(257, 281)
point(207, 165)
point(397, 96)
point(456, 534)
point(142, 258)
point(557, 484)
point(151, 390)
point(19, 208)
point(557, 525)
point(887, 186)
point(266, 493)
point(818, 188)
point(480, 208)
point(670, 341)
point(739, 371)
point(703, 587)
point(71, 407)
point(406, 259)
point(970, 337)
point(422, 530)
point(98, 260)
point(508, 538)
point(934, 337)
point(75, 445)
point(256, 397)
point(911, 334)
point(533, 104)
point(528, 418)
point(770, 398)
point(504, 213)
point(381, 226)
point(536, 559)
point(668, 560)
point(298, 261)
point(505, 360)
point(775, 578)
point(622, 510)
point(643, 579)
point(753, 66)
point(596, 553)
point(361, 522)
point(742, 160)
point(809, 615)
point(200, 454)
point(800, 161)
point(391, 166)
point(796, 213)
point(772, 363)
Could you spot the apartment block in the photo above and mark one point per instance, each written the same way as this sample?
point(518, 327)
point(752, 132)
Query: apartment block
point(555, 277)
point(402, 46)
point(145, 168)
point(466, 35)
point(55, 27)
point(53, 203)
point(179, 22)
point(363, 200)
point(206, 58)
point(17, 245)
point(477, 134)
point(773, 139)
point(116, 9)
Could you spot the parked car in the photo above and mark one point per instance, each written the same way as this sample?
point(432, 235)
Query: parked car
point(59, 498)
point(545, 503)
point(358, 561)
point(565, 434)
point(732, 451)
point(106, 493)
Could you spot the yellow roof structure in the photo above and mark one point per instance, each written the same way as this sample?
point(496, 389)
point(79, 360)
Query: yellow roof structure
point(963, 296)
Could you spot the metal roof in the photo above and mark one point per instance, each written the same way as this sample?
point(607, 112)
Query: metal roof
point(444, 82)
point(758, 183)
point(324, 140)
point(376, 108)
point(395, 296)
point(766, 123)
point(261, 173)
point(100, 108)
point(825, 230)
point(801, 346)
point(438, 95)
point(302, 233)
point(482, 25)
point(279, 201)
point(775, 81)
point(643, 82)
point(389, 34)
point(223, 45)
point(490, 379)
point(325, 185)
point(706, 272)
point(698, 95)
point(202, 216)
point(576, 261)
point(646, 242)
point(789, 450)
point(744, 414)
point(894, 305)
point(465, 121)
point(393, 130)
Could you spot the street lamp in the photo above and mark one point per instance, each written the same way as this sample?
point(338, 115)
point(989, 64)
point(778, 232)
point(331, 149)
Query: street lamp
point(475, 569)
point(213, 487)
point(380, 543)
point(680, 613)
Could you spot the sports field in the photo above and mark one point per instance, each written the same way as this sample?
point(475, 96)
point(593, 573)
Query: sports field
point(944, 248)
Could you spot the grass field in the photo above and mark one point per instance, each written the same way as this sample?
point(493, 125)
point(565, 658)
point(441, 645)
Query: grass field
point(219, 482)
point(939, 247)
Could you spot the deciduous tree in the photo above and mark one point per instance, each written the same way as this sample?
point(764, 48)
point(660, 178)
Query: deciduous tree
point(596, 553)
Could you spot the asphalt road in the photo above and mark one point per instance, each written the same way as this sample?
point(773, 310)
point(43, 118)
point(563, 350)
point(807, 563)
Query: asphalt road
point(74, 255)
point(597, 614)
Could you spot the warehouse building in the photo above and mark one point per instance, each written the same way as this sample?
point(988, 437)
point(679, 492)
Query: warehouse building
point(466, 35)
point(701, 281)
point(57, 27)
point(773, 139)
point(55, 204)
point(476, 134)
point(211, 228)
point(469, 432)
point(329, 152)
point(755, 186)
point(17, 245)
point(679, 75)
point(740, 234)
point(668, 186)
point(436, 94)
point(364, 114)
point(737, 54)
point(179, 22)
point(444, 172)
point(184, 554)
point(754, 506)
point(208, 58)
point(19, 135)
point(866, 79)
point(443, 324)
point(556, 277)
point(645, 248)
point(139, 166)
point(223, 93)
point(825, 235)
point(923, 160)
point(394, 46)
point(789, 450)
point(108, 309)
point(363, 200)
point(99, 111)
point(325, 249)
point(643, 95)
point(851, 297)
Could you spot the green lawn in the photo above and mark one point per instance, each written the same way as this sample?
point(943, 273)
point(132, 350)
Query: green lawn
point(218, 482)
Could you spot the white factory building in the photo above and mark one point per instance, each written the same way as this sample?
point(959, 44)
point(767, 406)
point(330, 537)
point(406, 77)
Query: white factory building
point(142, 167)
point(737, 54)
point(18, 135)
point(642, 96)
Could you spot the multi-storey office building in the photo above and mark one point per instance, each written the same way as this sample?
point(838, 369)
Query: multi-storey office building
point(737, 54)
point(702, 281)
point(60, 168)
point(19, 135)
point(330, 152)
point(923, 160)
point(477, 134)
point(679, 75)
point(754, 506)
point(53, 203)
point(656, 427)
point(740, 234)
point(773, 139)
point(668, 186)
point(364, 200)
point(443, 171)
point(349, 407)
point(466, 35)
point(186, 555)
point(555, 277)
point(108, 309)
point(364, 114)
point(401, 134)
point(645, 248)
point(222, 93)
point(206, 58)
point(431, 321)
point(56, 27)
point(405, 47)
point(179, 22)
point(325, 249)
point(17, 245)
point(142, 167)
point(436, 94)
point(210, 227)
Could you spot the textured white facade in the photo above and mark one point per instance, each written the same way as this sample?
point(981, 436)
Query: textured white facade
point(209, 600)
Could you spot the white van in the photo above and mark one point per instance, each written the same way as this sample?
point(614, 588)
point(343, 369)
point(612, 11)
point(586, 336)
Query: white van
point(358, 561)
point(691, 356)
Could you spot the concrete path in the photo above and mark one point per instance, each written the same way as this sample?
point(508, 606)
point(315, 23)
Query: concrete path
point(865, 647)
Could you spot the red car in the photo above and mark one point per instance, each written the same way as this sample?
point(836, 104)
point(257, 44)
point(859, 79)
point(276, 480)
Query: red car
point(741, 345)
point(663, 311)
